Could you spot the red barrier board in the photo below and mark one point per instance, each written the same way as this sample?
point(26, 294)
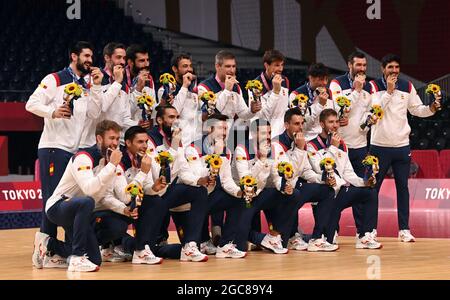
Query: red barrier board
point(19, 196)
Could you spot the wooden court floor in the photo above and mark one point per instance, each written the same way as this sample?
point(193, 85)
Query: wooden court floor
point(424, 259)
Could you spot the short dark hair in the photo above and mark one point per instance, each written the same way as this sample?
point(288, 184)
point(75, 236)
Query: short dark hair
point(273, 55)
point(218, 117)
point(133, 49)
point(132, 132)
point(111, 47)
point(318, 70)
point(326, 113)
point(222, 55)
point(176, 59)
point(78, 47)
point(357, 54)
point(290, 113)
point(161, 110)
point(388, 58)
point(255, 124)
point(106, 125)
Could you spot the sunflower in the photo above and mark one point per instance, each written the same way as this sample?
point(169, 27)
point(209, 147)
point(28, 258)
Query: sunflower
point(208, 96)
point(214, 161)
point(302, 98)
point(377, 111)
point(285, 169)
point(141, 99)
point(248, 180)
point(370, 160)
point(70, 88)
point(164, 157)
point(327, 161)
point(134, 190)
point(167, 78)
point(149, 100)
point(343, 101)
point(254, 84)
point(433, 89)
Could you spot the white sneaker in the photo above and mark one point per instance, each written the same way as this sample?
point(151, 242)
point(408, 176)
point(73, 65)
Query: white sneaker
point(321, 245)
point(121, 252)
point(190, 252)
point(367, 242)
point(40, 249)
point(208, 248)
point(406, 236)
point(230, 251)
point(81, 264)
point(297, 243)
point(109, 255)
point(145, 256)
point(55, 261)
point(335, 238)
point(274, 243)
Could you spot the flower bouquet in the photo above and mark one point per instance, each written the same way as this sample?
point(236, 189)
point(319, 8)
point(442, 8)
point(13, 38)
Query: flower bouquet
point(376, 111)
point(169, 84)
point(145, 103)
point(209, 101)
point(372, 167)
point(164, 158)
point(135, 193)
point(248, 186)
point(214, 162)
point(327, 165)
point(300, 101)
point(344, 103)
point(254, 88)
point(435, 90)
point(72, 92)
point(286, 172)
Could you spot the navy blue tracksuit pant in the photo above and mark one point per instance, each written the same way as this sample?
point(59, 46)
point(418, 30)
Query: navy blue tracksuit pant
point(314, 192)
point(179, 194)
point(347, 197)
point(400, 160)
point(221, 201)
point(356, 156)
point(111, 226)
point(75, 216)
point(303, 193)
point(275, 204)
point(52, 164)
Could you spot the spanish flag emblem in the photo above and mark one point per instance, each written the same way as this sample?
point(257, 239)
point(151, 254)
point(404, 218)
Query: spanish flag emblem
point(51, 169)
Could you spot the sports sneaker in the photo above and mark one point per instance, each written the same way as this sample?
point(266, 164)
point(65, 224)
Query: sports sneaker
point(367, 242)
point(253, 247)
point(321, 245)
point(109, 255)
point(55, 261)
point(274, 243)
point(230, 251)
point(406, 236)
point(335, 238)
point(145, 256)
point(40, 249)
point(297, 243)
point(208, 248)
point(190, 252)
point(81, 264)
point(121, 252)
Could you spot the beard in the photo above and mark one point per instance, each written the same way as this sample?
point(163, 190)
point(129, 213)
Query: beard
point(83, 67)
point(167, 131)
point(135, 70)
